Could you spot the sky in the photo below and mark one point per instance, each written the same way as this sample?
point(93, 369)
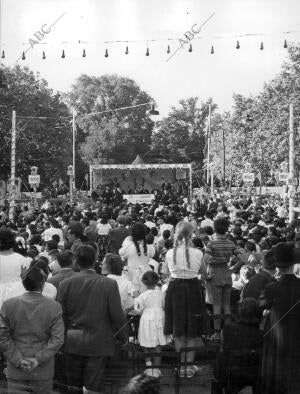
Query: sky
point(88, 24)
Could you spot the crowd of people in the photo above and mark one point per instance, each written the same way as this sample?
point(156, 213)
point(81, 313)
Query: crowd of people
point(72, 277)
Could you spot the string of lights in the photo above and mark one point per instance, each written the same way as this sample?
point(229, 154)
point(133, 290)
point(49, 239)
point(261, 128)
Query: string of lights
point(108, 44)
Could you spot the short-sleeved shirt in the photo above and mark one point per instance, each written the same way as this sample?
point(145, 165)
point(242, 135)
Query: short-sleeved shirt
point(180, 268)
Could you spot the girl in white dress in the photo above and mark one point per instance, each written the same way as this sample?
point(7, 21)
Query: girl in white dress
point(150, 305)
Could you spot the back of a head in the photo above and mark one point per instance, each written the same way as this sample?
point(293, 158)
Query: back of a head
point(51, 245)
point(76, 229)
point(65, 259)
point(166, 234)
point(138, 231)
point(184, 230)
point(114, 264)
point(7, 239)
point(142, 384)
point(85, 257)
point(221, 226)
point(40, 264)
point(34, 278)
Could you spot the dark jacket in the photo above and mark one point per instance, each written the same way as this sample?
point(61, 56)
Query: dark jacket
point(31, 326)
point(92, 312)
point(61, 275)
point(116, 238)
point(256, 285)
point(281, 352)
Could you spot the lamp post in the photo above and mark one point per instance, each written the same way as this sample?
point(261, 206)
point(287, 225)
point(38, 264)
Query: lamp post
point(291, 164)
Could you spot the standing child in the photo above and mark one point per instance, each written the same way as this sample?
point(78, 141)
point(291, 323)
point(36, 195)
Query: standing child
point(150, 305)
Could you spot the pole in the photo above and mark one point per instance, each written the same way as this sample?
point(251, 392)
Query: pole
point(212, 181)
point(12, 168)
point(291, 163)
point(208, 144)
point(74, 149)
point(224, 156)
point(191, 183)
point(71, 190)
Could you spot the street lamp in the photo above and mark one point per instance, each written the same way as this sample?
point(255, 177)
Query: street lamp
point(152, 111)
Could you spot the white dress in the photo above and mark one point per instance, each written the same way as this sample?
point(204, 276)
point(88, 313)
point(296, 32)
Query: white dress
point(150, 304)
point(10, 271)
point(128, 252)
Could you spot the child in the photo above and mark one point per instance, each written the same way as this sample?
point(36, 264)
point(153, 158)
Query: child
point(150, 305)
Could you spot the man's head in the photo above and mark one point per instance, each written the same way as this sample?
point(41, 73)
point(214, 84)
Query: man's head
point(112, 264)
point(221, 226)
point(65, 259)
point(75, 231)
point(85, 257)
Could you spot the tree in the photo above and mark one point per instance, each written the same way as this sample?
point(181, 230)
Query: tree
point(257, 128)
point(181, 135)
point(42, 142)
point(113, 136)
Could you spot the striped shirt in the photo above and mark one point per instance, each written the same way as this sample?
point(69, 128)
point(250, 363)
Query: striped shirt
point(220, 250)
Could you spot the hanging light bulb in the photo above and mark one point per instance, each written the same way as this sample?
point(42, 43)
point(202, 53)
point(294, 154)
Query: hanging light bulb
point(44, 55)
point(237, 45)
point(63, 55)
point(285, 44)
point(126, 50)
point(212, 51)
point(261, 46)
point(168, 50)
point(23, 56)
point(83, 53)
point(3, 55)
point(106, 53)
point(190, 48)
point(147, 52)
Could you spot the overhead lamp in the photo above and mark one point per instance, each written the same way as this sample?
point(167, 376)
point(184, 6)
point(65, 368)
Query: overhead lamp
point(152, 111)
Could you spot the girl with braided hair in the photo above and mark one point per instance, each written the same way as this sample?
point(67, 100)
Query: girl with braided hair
point(185, 311)
point(136, 251)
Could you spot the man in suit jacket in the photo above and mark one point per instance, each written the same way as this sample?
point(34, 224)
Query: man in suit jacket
point(92, 312)
point(65, 260)
point(31, 332)
point(117, 235)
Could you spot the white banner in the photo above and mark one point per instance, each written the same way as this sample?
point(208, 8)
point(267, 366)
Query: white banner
point(283, 176)
point(138, 198)
point(248, 177)
point(180, 174)
point(34, 179)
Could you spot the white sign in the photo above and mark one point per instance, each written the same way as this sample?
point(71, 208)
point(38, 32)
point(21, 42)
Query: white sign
point(34, 179)
point(248, 177)
point(70, 171)
point(180, 174)
point(138, 198)
point(283, 176)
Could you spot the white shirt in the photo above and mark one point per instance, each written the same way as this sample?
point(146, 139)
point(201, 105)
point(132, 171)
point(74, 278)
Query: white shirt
point(207, 223)
point(180, 269)
point(128, 252)
point(166, 226)
point(126, 288)
point(103, 229)
point(150, 224)
point(52, 231)
point(10, 266)
point(49, 290)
